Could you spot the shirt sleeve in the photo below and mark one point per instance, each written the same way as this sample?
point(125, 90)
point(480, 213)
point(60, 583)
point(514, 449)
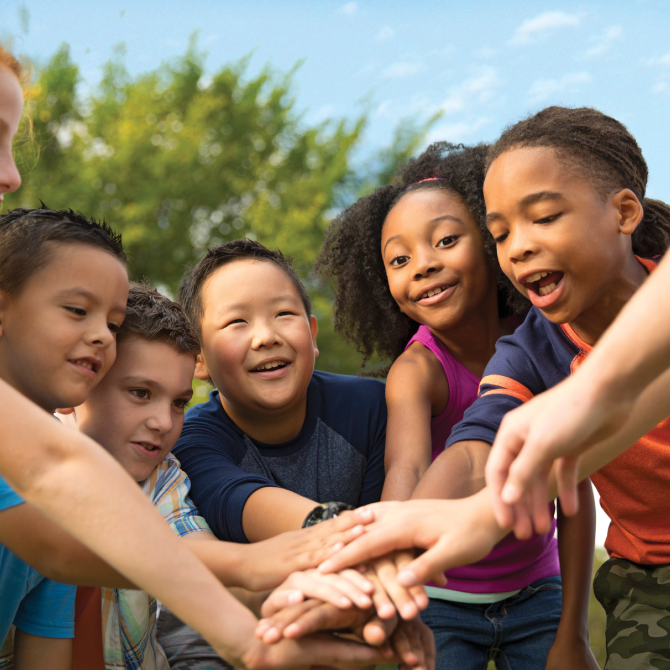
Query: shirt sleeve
point(510, 379)
point(48, 610)
point(169, 495)
point(219, 488)
point(8, 497)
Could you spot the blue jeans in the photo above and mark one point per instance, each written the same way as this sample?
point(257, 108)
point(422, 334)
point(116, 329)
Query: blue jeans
point(516, 632)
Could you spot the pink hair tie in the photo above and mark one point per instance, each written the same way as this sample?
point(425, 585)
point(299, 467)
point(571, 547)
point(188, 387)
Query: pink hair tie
point(416, 183)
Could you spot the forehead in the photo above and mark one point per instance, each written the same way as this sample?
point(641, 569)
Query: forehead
point(153, 360)
point(424, 206)
point(247, 281)
point(11, 99)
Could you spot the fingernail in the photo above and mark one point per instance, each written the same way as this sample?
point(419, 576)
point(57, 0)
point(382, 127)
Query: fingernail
point(407, 578)
point(326, 566)
point(335, 548)
point(385, 611)
point(510, 494)
point(294, 597)
point(344, 602)
point(292, 629)
point(364, 602)
point(408, 611)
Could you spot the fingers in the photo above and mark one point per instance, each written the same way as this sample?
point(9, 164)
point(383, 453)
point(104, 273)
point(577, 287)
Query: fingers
point(387, 572)
point(279, 599)
point(380, 598)
point(271, 630)
point(376, 631)
point(430, 566)
point(414, 643)
point(539, 494)
point(418, 593)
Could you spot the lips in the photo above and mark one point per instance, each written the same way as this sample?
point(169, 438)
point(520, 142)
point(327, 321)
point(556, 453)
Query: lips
point(148, 449)
point(542, 283)
point(435, 294)
point(271, 365)
point(87, 365)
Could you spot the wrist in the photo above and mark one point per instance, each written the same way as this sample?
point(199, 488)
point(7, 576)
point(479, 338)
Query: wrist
point(325, 511)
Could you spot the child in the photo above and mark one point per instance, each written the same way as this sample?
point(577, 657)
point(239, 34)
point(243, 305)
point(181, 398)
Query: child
point(276, 438)
point(63, 291)
point(565, 198)
point(433, 270)
point(136, 413)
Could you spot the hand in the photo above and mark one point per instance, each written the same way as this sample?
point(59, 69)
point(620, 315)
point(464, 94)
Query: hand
point(270, 562)
point(455, 532)
point(414, 643)
point(573, 653)
point(342, 590)
point(558, 424)
point(313, 615)
point(383, 573)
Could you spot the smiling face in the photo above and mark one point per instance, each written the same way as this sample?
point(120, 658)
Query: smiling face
point(58, 335)
point(11, 105)
point(259, 345)
point(561, 243)
point(435, 260)
point(137, 411)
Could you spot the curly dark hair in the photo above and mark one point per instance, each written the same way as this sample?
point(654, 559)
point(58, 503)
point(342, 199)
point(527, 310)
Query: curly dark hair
point(365, 312)
point(602, 150)
point(152, 316)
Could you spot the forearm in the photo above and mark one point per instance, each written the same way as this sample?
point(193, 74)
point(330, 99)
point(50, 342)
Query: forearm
point(575, 549)
point(400, 482)
point(32, 652)
point(270, 511)
point(458, 472)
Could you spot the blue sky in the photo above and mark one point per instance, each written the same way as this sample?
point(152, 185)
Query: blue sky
point(482, 64)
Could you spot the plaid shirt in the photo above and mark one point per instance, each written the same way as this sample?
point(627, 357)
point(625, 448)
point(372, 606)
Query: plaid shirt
point(128, 615)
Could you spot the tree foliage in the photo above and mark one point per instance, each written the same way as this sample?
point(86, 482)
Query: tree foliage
point(178, 161)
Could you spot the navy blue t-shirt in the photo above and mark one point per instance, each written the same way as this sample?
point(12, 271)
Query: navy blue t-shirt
point(338, 455)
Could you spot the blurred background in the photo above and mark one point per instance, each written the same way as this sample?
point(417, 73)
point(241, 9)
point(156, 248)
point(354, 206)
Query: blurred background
point(187, 124)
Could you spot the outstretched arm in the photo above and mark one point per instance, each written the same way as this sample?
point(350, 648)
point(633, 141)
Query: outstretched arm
point(591, 404)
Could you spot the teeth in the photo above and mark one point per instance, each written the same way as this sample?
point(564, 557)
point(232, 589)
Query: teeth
point(545, 290)
point(270, 366)
point(536, 277)
point(85, 364)
point(149, 447)
point(432, 292)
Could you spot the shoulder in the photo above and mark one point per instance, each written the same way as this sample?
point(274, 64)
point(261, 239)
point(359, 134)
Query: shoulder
point(417, 371)
point(346, 389)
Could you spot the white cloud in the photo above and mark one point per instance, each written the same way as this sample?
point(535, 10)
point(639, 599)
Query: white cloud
point(458, 132)
point(479, 88)
point(603, 42)
point(531, 29)
point(663, 61)
point(541, 89)
point(401, 69)
point(385, 33)
point(349, 9)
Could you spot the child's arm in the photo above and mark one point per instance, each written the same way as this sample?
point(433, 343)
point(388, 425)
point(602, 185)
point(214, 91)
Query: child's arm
point(416, 390)
point(32, 652)
point(575, 549)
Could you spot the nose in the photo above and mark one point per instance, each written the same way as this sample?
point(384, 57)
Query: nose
point(520, 245)
point(265, 335)
point(425, 263)
point(10, 179)
point(160, 420)
point(99, 333)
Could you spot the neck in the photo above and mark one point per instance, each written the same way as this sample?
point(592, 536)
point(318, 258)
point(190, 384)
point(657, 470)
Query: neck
point(268, 426)
point(473, 340)
point(593, 322)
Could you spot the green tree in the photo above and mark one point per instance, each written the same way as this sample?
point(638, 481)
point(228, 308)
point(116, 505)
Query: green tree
point(178, 161)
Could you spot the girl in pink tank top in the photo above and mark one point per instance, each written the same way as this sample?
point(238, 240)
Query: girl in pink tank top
point(432, 303)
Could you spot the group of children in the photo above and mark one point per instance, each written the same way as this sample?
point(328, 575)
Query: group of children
point(484, 275)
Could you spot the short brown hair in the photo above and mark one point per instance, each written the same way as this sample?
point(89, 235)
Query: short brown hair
point(13, 63)
point(154, 317)
point(190, 289)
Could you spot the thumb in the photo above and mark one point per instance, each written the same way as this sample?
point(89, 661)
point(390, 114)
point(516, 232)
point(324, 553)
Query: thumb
point(430, 566)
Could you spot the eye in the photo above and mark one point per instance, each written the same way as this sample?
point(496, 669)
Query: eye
point(500, 239)
point(447, 241)
point(399, 260)
point(180, 403)
point(142, 394)
point(234, 321)
point(285, 312)
point(78, 311)
point(113, 328)
point(548, 219)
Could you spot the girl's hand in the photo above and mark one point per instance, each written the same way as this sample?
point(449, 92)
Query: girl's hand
point(454, 532)
point(268, 563)
point(390, 596)
point(573, 653)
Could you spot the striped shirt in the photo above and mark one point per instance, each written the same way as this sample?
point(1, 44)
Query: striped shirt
point(129, 615)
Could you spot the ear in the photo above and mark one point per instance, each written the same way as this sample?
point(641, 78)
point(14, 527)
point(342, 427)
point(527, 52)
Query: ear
point(314, 329)
point(201, 370)
point(630, 210)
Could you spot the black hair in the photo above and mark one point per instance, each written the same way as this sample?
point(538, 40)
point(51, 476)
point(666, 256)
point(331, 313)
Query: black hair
point(603, 150)
point(365, 312)
point(190, 289)
point(152, 316)
point(27, 237)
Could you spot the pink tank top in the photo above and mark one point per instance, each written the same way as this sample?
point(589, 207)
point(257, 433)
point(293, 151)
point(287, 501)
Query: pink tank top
point(513, 564)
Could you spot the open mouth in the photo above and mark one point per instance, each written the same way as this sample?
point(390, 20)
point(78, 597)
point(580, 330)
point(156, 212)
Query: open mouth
point(270, 366)
point(543, 283)
point(151, 449)
point(88, 363)
point(431, 295)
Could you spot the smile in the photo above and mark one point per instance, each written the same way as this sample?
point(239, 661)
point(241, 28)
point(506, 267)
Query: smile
point(90, 364)
point(272, 365)
point(434, 294)
point(148, 449)
point(543, 283)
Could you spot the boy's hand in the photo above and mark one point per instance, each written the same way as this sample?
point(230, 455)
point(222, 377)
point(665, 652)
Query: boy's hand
point(268, 563)
point(342, 590)
point(383, 573)
point(454, 532)
point(414, 643)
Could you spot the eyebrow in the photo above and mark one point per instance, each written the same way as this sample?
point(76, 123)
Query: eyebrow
point(529, 200)
point(243, 305)
point(137, 380)
point(79, 291)
point(446, 217)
